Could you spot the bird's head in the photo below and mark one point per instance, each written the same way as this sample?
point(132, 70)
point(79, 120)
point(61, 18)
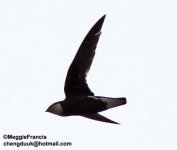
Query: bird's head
point(55, 108)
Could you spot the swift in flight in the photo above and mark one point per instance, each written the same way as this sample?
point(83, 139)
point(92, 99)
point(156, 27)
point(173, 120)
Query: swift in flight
point(80, 100)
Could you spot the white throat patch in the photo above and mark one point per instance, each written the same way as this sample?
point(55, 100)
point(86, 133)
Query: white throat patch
point(57, 109)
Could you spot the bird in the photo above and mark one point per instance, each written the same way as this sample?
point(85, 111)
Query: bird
point(79, 99)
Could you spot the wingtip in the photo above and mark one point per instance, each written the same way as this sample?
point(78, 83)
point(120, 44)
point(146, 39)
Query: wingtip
point(103, 17)
point(115, 123)
point(101, 20)
point(99, 23)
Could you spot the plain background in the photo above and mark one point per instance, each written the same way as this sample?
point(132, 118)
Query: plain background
point(135, 58)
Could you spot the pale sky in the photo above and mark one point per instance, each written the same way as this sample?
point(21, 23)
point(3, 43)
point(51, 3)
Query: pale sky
point(135, 58)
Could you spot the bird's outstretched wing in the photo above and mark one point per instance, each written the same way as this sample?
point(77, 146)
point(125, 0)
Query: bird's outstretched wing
point(75, 83)
point(99, 117)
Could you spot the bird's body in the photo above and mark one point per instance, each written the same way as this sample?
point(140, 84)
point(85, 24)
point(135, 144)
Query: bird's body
point(80, 100)
point(86, 105)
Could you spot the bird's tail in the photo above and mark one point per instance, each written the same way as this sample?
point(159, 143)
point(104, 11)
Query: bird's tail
point(113, 102)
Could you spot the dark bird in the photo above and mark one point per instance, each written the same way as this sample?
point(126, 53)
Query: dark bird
point(80, 100)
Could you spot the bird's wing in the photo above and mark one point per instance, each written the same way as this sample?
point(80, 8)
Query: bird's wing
point(99, 117)
point(75, 83)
